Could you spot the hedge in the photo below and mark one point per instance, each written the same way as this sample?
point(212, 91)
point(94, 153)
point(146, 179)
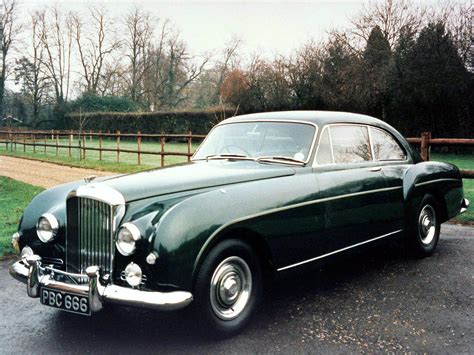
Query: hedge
point(196, 121)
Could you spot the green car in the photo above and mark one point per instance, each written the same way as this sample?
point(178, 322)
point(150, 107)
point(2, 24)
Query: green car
point(264, 193)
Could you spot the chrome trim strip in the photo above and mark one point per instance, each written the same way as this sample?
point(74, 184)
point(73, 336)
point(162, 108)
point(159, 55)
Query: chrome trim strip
point(337, 251)
point(313, 143)
point(284, 208)
point(433, 181)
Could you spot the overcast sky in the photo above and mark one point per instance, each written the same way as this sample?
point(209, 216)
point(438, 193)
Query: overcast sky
point(264, 26)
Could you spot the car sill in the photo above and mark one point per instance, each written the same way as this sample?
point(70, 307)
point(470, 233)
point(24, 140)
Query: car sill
point(338, 251)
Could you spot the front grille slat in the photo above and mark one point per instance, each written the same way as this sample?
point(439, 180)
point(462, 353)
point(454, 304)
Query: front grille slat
point(88, 235)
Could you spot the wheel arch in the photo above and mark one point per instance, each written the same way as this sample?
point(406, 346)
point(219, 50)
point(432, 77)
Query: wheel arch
point(247, 235)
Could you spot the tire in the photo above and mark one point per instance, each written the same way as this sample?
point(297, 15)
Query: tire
point(425, 228)
point(228, 289)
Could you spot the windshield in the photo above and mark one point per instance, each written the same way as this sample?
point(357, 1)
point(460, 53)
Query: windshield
point(259, 139)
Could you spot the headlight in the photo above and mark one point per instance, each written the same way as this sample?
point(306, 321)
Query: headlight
point(133, 274)
point(127, 235)
point(47, 227)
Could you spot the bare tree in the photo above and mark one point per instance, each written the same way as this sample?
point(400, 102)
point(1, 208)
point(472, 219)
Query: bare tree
point(138, 37)
point(391, 16)
point(228, 56)
point(172, 71)
point(10, 28)
point(94, 46)
point(29, 72)
point(56, 36)
point(458, 18)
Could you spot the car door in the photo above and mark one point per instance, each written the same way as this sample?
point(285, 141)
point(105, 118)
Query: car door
point(352, 187)
point(393, 160)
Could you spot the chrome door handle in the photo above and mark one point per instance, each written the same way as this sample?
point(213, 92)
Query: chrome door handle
point(376, 168)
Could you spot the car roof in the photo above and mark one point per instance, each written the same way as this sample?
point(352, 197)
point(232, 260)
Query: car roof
point(320, 118)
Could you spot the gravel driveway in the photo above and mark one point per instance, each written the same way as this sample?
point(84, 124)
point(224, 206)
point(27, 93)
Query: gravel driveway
point(43, 174)
point(375, 301)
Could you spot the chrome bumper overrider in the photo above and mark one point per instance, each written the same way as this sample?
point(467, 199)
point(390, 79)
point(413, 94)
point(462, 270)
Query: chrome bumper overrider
point(31, 272)
point(464, 205)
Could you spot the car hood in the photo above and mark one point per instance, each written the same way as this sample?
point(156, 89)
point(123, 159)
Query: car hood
point(192, 176)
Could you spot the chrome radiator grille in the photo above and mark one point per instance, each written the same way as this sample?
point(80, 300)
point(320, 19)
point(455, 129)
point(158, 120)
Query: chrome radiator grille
point(89, 235)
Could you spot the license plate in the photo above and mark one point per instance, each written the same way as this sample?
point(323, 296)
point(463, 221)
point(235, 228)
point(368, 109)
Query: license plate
point(66, 301)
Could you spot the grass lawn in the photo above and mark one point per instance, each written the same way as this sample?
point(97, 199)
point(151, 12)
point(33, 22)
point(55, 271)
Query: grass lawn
point(14, 197)
point(463, 162)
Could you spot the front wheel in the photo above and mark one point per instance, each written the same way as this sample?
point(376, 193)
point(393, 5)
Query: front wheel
point(425, 228)
point(228, 288)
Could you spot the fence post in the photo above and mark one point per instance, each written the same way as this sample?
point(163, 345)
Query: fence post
point(57, 143)
point(425, 145)
point(84, 146)
point(34, 142)
point(100, 145)
point(90, 135)
point(80, 147)
point(139, 144)
point(70, 142)
point(45, 142)
point(24, 143)
point(162, 142)
point(118, 146)
point(189, 145)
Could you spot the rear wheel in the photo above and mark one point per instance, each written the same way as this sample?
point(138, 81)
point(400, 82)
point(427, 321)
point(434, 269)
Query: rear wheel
point(228, 288)
point(425, 228)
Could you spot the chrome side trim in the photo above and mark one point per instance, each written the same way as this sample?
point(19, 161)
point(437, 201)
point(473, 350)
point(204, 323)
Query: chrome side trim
point(433, 181)
point(100, 192)
point(337, 251)
point(279, 209)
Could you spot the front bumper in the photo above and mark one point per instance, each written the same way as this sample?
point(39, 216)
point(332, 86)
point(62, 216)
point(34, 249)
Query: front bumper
point(464, 205)
point(30, 271)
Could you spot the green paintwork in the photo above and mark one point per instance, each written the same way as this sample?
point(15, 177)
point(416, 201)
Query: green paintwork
point(290, 213)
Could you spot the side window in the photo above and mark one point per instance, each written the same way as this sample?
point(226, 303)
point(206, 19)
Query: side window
point(350, 143)
point(385, 146)
point(324, 155)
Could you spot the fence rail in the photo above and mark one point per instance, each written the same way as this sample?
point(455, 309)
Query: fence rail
point(37, 139)
point(425, 142)
point(55, 139)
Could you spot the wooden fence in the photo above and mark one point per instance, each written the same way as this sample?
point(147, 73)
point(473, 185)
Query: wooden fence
point(425, 142)
point(55, 139)
point(43, 139)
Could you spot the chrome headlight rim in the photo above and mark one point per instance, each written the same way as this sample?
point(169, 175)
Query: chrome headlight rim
point(50, 235)
point(136, 235)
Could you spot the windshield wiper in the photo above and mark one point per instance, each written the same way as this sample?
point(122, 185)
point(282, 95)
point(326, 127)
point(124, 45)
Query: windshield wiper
point(281, 159)
point(228, 156)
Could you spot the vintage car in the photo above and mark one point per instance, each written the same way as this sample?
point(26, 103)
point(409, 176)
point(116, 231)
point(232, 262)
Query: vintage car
point(264, 193)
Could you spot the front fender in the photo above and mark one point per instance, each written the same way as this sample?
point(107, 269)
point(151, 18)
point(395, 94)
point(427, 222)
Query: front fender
point(190, 228)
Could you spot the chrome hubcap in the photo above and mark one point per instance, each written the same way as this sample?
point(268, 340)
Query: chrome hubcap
point(427, 224)
point(231, 285)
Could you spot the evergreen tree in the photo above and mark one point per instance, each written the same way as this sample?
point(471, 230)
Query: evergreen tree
point(374, 71)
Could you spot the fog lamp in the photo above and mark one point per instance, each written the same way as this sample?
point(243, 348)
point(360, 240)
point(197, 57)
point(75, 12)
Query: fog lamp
point(47, 227)
point(26, 251)
point(133, 274)
point(16, 241)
